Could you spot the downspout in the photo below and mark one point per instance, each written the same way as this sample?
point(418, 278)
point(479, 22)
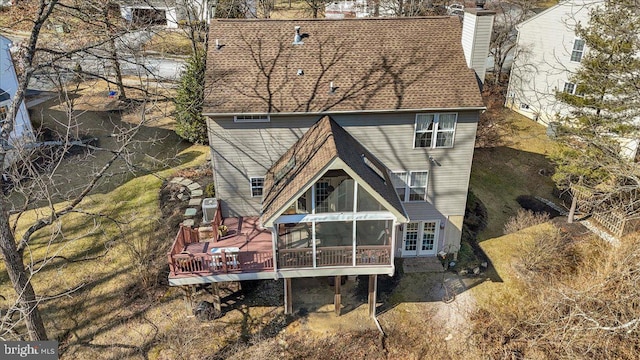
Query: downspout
point(274, 239)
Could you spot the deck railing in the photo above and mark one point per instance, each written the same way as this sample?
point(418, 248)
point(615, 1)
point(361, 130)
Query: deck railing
point(334, 256)
point(216, 222)
point(185, 236)
point(223, 263)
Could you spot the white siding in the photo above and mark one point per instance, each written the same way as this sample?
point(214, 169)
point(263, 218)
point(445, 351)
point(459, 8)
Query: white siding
point(543, 60)
point(476, 40)
point(22, 128)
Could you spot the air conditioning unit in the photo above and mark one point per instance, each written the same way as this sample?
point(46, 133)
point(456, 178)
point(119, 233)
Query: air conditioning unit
point(209, 208)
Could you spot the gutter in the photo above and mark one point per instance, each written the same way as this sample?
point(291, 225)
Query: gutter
point(476, 108)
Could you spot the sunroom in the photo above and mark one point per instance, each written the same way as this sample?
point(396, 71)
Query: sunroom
point(331, 206)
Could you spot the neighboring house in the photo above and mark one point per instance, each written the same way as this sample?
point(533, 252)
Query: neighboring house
point(344, 143)
point(22, 128)
point(548, 53)
point(165, 12)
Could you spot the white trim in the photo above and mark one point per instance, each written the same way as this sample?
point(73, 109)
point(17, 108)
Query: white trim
point(251, 187)
point(408, 185)
point(435, 130)
point(252, 118)
point(573, 88)
point(335, 217)
point(573, 49)
point(420, 235)
point(381, 111)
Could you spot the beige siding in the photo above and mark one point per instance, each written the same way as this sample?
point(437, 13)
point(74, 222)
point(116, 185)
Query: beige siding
point(243, 150)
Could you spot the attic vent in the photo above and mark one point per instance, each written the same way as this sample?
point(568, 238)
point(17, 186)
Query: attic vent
point(373, 167)
point(297, 40)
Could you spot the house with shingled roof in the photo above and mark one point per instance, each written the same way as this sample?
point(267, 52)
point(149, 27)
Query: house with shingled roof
point(337, 145)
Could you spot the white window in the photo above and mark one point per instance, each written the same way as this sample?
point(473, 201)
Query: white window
point(410, 186)
point(257, 185)
point(569, 88)
point(322, 194)
point(435, 130)
point(578, 50)
point(420, 238)
point(251, 118)
point(429, 231)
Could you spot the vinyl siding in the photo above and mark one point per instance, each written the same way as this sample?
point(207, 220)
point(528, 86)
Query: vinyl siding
point(244, 150)
point(543, 61)
point(476, 37)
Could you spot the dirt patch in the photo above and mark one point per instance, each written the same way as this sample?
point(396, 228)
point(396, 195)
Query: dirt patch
point(575, 230)
point(529, 202)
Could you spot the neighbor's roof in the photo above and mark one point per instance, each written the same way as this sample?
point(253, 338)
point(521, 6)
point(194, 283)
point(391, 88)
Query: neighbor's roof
point(376, 65)
point(4, 96)
point(310, 156)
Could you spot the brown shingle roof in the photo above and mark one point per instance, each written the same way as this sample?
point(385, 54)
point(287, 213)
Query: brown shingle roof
point(310, 156)
point(376, 64)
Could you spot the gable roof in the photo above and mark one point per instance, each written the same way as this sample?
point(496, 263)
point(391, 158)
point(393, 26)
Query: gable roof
point(311, 156)
point(568, 6)
point(376, 64)
point(4, 96)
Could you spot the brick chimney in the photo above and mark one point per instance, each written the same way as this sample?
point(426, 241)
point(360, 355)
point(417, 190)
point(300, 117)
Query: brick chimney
point(477, 26)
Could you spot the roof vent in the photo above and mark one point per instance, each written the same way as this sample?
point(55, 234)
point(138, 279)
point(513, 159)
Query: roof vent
point(332, 88)
point(218, 46)
point(297, 40)
point(300, 72)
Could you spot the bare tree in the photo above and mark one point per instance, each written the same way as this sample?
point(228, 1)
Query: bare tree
point(503, 39)
point(31, 168)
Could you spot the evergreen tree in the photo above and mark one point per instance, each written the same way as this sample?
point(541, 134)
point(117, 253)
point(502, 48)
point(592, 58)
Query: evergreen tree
point(191, 125)
point(605, 111)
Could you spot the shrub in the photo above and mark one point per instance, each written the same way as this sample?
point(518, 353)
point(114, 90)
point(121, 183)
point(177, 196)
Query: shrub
point(551, 254)
point(524, 219)
point(210, 190)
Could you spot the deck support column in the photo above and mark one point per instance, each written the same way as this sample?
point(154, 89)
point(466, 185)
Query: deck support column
point(215, 290)
point(288, 303)
point(188, 298)
point(337, 297)
point(373, 287)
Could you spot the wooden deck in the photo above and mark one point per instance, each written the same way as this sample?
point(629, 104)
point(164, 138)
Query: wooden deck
point(193, 256)
point(246, 251)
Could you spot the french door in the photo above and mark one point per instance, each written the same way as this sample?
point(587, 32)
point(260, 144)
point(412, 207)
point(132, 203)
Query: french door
point(420, 238)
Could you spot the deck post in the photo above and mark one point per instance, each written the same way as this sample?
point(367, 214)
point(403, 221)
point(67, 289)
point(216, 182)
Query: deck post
point(373, 287)
point(288, 304)
point(337, 297)
point(215, 290)
point(223, 256)
point(188, 299)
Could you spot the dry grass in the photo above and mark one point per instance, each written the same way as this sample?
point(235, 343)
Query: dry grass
point(564, 298)
point(500, 174)
point(524, 219)
point(170, 42)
